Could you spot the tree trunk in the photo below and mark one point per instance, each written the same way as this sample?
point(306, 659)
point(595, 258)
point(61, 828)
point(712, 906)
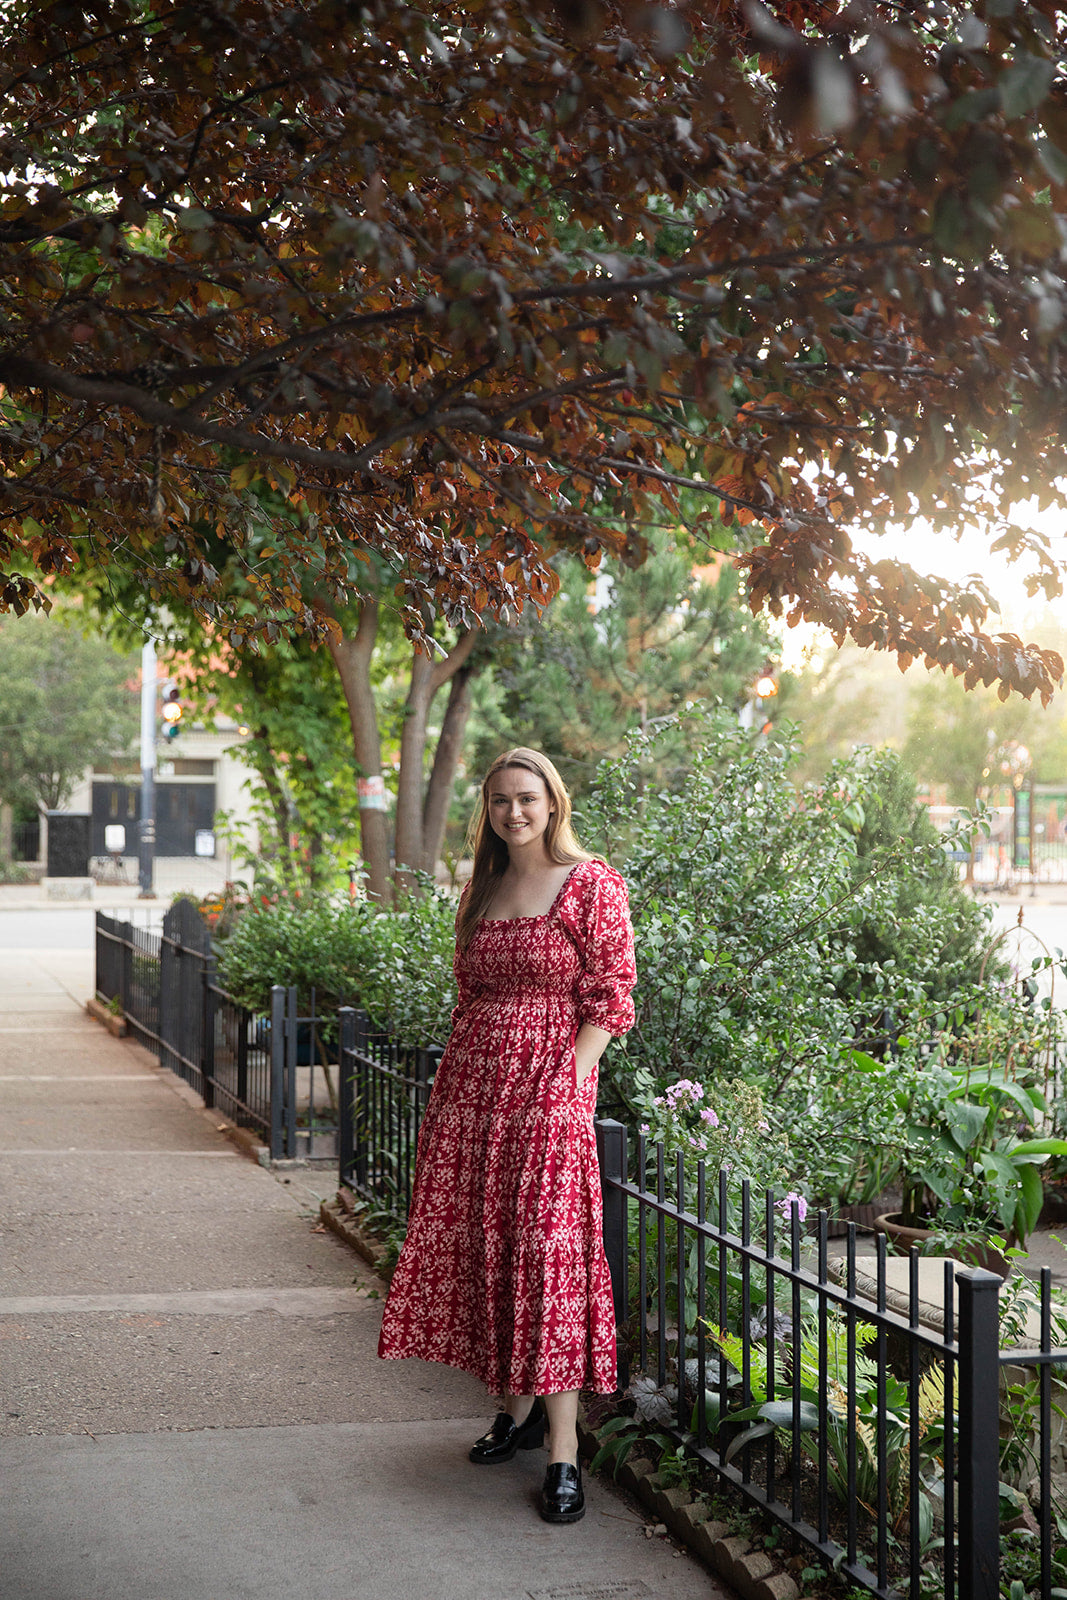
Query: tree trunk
point(352, 658)
point(268, 771)
point(427, 677)
point(445, 762)
point(412, 755)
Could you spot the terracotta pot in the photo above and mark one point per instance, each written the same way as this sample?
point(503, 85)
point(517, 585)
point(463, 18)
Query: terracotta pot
point(901, 1239)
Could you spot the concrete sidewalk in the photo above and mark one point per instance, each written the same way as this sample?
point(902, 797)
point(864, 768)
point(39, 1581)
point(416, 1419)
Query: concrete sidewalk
point(192, 1404)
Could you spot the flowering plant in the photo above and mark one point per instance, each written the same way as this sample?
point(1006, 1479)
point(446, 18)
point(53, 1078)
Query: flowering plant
point(734, 1135)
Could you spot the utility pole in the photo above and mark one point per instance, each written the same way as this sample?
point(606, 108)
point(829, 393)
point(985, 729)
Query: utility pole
point(147, 840)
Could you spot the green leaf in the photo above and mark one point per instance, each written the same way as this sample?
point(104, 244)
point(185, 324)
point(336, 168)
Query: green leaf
point(1028, 1209)
point(1039, 1147)
point(758, 1431)
point(1025, 84)
point(865, 1063)
point(966, 1121)
point(780, 1412)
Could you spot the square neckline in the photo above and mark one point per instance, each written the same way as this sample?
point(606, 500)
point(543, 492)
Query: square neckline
point(541, 916)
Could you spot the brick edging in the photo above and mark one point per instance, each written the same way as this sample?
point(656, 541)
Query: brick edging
point(752, 1572)
point(99, 1012)
point(340, 1218)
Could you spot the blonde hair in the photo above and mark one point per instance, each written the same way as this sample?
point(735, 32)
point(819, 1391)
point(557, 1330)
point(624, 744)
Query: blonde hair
point(490, 852)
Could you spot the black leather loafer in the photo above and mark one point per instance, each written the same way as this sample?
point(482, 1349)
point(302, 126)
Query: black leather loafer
point(562, 1499)
point(506, 1436)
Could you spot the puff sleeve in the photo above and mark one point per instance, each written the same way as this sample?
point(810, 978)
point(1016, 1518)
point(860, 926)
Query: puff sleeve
point(601, 930)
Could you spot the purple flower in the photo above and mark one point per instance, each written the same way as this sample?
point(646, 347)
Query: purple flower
point(786, 1204)
point(645, 1129)
point(684, 1089)
point(708, 1116)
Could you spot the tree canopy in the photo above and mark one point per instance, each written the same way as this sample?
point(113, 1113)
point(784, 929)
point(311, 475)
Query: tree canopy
point(67, 701)
point(474, 283)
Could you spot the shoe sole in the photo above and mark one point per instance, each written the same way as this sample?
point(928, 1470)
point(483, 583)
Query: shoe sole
point(562, 1516)
point(530, 1443)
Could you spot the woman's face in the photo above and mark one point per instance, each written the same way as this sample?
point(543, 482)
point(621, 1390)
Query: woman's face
point(519, 807)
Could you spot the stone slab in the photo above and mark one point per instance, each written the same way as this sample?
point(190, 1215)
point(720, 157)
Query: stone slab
point(156, 1251)
point(147, 1116)
point(147, 1370)
point(140, 1185)
point(68, 888)
point(391, 1512)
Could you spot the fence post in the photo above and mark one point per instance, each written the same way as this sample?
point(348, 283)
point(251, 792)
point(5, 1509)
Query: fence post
point(360, 1115)
point(207, 1030)
point(611, 1151)
point(292, 1036)
point(277, 1071)
point(244, 1020)
point(126, 970)
point(979, 1436)
point(345, 1108)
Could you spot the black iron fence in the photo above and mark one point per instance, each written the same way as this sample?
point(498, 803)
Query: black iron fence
point(275, 1074)
point(384, 1091)
point(128, 975)
point(878, 1440)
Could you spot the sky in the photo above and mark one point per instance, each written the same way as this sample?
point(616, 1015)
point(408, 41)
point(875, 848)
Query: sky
point(940, 552)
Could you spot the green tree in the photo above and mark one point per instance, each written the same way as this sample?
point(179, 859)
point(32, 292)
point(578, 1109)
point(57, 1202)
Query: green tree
point(920, 889)
point(624, 653)
point(67, 703)
point(841, 699)
point(363, 702)
point(970, 742)
point(297, 744)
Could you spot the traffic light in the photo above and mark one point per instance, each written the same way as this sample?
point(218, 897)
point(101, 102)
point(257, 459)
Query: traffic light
point(172, 714)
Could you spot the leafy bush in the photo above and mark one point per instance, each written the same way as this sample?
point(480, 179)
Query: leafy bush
point(308, 940)
point(783, 941)
point(799, 942)
point(14, 871)
point(397, 964)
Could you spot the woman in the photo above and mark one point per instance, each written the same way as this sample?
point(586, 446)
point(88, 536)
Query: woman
point(503, 1272)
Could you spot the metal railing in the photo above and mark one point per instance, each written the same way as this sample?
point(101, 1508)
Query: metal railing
point(874, 1438)
point(384, 1093)
point(127, 973)
point(305, 1110)
point(272, 1074)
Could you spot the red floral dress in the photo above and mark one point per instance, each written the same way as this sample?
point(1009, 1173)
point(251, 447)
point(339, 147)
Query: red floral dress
point(503, 1272)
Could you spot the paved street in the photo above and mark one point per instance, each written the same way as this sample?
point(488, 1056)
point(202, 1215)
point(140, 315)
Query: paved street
point(192, 1407)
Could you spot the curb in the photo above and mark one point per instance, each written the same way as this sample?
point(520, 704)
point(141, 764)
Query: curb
point(99, 1012)
point(340, 1217)
point(732, 1557)
point(243, 1138)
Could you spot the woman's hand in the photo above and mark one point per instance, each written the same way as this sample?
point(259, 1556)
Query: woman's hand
point(589, 1046)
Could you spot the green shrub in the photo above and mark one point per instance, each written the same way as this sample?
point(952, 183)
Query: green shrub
point(307, 940)
point(781, 940)
point(396, 965)
point(14, 871)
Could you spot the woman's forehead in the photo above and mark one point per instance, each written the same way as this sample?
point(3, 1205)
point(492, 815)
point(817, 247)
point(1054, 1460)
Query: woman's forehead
point(517, 780)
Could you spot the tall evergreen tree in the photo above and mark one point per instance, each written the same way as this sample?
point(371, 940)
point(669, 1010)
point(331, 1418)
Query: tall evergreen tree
point(619, 653)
